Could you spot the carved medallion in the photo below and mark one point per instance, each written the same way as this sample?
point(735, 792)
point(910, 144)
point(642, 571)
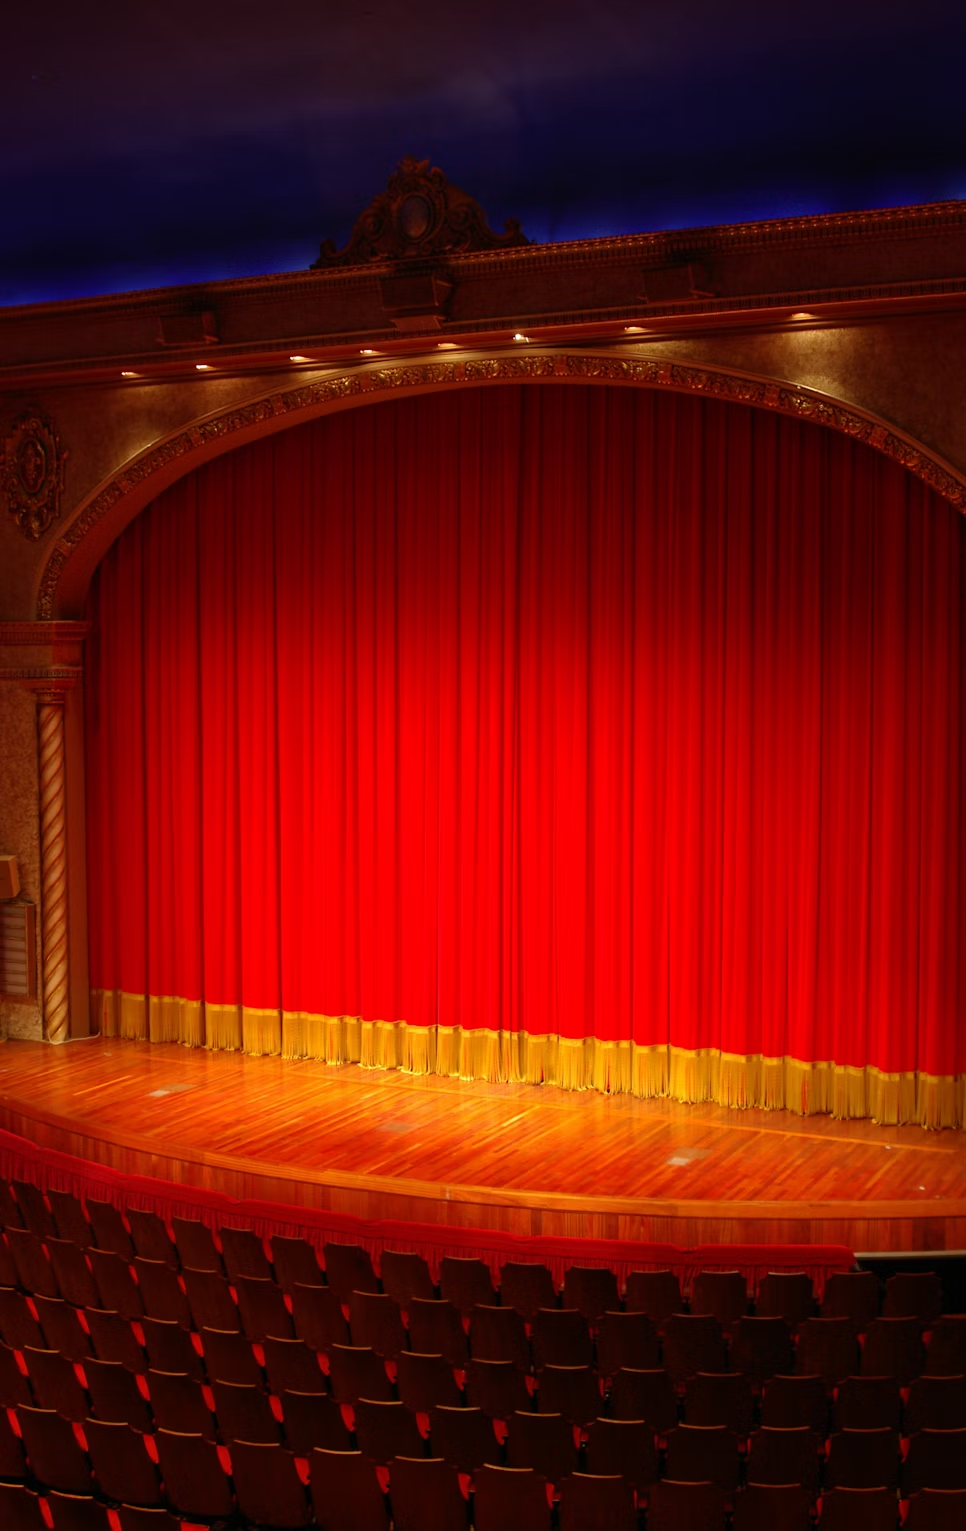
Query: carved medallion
point(32, 473)
point(418, 215)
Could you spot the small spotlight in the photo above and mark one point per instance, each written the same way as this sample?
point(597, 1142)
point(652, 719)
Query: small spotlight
point(803, 315)
point(300, 358)
point(129, 374)
point(525, 338)
point(367, 351)
point(446, 345)
point(634, 329)
point(202, 366)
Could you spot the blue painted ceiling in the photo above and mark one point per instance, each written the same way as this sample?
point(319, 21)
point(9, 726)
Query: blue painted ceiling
point(144, 143)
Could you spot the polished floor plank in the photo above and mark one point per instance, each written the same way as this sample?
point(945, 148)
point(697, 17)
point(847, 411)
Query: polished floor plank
point(527, 1158)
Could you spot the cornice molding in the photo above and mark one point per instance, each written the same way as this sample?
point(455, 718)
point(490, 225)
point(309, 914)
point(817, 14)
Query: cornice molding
point(342, 389)
point(657, 246)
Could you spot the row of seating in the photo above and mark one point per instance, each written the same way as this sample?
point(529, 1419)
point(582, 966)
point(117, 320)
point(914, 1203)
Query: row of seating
point(202, 1300)
point(465, 1282)
point(157, 1482)
point(107, 1322)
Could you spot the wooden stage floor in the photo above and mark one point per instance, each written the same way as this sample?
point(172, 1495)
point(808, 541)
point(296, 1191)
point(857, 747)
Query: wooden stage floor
point(525, 1159)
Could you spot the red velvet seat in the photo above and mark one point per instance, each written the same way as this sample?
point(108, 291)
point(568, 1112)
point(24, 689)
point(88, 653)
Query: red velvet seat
point(115, 1395)
point(268, 1488)
point(20, 1509)
point(673, 1506)
point(387, 1429)
point(356, 1371)
point(113, 1339)
point(499, 1388)
point(644, 1395)
point(789, 1295)
point(510, 1499)
point(295, 1263)
point(719, 1398)
point(560, 1337)
point(592, 1290)
point(657, 1293)
point(195, 1481)
point(262, 1307)
point(109, 1229)
point(318, 1317)
point(55, 1384)
point(345, 1492)
point(772, 1507)
point(375, 1320)
point(426, 1380)
point(723, 1293)
point(590, 1502)
point(627, 1339)
point(499, 1334)
point(405, 1275)
point(465, 1281)
point(784, 1456)
point(436, 1327)
point(703, 1453)
point(118, 1290)
point(62, 1328)
point(526, 1287)
point(209, 1297)
point(195, 1244)
point(425, 1494)
point(123, 1468)
point(245, 1414)
point(624, 1447)
point(150, 1237)
point(348, 1269)
point(292, 1365)
point(161, 1292)
point(313, 1420)
point(544, 1442)
point(74, 1279)
point(243, 1254)
point(179, 1404)
point(464, 1437)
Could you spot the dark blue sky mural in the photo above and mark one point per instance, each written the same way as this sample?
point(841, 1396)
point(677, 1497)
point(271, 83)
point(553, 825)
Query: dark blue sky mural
point(189, 140)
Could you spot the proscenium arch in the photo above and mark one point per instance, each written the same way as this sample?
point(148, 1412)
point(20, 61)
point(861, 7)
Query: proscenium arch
point(64, 579)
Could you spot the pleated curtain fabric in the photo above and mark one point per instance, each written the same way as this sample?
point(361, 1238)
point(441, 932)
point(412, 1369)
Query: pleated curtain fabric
point(602, 736)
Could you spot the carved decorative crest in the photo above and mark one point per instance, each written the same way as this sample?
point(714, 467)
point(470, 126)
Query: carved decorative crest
point(419, 214)
point(32, 473)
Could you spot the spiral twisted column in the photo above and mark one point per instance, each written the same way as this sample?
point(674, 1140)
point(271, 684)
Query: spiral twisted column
point(53, 855)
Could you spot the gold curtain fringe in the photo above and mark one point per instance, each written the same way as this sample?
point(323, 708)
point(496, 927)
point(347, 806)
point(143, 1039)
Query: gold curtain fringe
point(689, 1075)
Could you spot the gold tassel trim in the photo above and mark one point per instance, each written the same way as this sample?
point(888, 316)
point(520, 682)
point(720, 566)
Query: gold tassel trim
point(519, 1057)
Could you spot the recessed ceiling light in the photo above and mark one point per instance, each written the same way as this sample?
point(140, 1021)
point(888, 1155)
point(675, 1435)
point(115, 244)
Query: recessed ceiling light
point(202, 366)
point(446, 345)
point(633, 329)
point(367, 351)
point(803, 315)
point(300, 358)
point(518, 336)
point(129, 374)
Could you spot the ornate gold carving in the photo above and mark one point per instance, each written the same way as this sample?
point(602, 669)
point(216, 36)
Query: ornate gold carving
point(534, 366)
point(32, 473)
point(53, 850)
point(419, 214)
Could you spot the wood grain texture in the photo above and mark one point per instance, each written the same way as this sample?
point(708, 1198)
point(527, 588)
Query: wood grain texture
point(525, 1159)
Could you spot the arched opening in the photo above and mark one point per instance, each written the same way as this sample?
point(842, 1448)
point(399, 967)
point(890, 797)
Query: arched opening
point(598, 735)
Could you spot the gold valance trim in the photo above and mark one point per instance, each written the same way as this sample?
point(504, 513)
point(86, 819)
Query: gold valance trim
point(690, 1075)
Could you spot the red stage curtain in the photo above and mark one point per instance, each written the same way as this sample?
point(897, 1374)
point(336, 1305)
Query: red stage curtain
point(595, 735)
